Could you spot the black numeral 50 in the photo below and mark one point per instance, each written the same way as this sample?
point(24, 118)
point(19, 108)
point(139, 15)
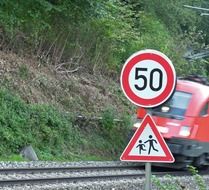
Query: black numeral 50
point(138, 75)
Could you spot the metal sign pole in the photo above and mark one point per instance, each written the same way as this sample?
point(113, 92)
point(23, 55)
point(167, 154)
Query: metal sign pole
point(148, 176)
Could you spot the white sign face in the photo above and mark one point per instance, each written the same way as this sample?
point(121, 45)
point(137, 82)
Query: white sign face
point(147, 144)
point(148, 78)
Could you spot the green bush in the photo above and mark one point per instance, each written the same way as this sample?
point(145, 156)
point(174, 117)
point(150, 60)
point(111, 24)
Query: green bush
point(39, 125)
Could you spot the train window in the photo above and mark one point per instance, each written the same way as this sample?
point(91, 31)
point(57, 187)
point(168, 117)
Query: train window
point(204, 111)
point(176, 106)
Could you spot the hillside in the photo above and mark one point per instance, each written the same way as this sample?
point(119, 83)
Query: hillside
point(78, 93)
point(45, 106)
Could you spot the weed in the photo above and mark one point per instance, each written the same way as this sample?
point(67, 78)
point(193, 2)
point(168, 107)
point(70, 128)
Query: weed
point(199, 180)
point(23, 72)
point(169, 183)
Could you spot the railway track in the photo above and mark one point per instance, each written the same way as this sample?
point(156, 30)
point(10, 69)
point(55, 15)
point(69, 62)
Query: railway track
point(67, 169)
point(17, 176)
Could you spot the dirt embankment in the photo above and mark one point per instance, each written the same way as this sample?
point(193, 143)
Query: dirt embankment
point(78, 92)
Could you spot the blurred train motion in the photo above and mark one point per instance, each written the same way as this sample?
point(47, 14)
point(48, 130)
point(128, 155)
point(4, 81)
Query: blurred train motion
point(183, 121)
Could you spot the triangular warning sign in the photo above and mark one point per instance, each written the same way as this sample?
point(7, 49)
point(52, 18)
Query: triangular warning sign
point(147, 145)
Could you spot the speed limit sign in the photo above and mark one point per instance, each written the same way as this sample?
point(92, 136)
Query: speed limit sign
point(148, 78)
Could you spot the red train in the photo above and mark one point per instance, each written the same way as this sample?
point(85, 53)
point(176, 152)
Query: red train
point(183, 121)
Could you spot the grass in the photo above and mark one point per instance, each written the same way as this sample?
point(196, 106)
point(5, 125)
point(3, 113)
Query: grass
point(12, 158)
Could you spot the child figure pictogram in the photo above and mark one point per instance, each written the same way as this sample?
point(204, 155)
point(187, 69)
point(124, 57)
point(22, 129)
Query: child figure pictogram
point(141, 146)
point(151, 144)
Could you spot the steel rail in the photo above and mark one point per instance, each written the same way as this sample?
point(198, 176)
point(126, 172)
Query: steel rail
point(7, 182)
point(71, 168)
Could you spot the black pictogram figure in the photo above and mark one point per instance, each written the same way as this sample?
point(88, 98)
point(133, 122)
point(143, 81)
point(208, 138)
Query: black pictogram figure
point(151, 144)
point(140, 145)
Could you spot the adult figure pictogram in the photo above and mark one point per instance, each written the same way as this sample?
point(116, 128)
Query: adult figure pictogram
point(151, 144)
point(141, 146)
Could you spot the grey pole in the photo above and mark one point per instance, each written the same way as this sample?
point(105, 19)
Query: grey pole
point(148, 176)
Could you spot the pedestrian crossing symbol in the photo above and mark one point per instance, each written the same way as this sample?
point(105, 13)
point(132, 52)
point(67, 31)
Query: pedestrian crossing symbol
point(147, 145)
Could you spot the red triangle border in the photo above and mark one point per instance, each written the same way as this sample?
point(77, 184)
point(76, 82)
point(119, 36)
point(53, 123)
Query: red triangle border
point(168, 158)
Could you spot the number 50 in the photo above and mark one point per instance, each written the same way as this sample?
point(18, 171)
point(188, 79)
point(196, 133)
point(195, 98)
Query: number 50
point(138, 75)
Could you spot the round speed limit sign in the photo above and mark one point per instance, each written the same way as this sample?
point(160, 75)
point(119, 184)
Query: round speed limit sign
point(148, 78)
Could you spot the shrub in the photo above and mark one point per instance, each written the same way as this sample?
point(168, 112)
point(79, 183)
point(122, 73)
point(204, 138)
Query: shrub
point(107, 121)
point(22, 124)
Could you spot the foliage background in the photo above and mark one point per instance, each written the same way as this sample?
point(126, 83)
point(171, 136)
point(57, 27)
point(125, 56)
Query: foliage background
point(100, 35)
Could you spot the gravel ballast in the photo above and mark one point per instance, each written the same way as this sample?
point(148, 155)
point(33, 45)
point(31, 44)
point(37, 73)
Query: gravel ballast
point(186, 183)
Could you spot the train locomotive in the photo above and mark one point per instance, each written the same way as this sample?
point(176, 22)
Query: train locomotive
point(183, 121)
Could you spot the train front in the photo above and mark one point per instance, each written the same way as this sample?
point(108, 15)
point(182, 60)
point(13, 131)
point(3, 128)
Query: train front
point(177, 120)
